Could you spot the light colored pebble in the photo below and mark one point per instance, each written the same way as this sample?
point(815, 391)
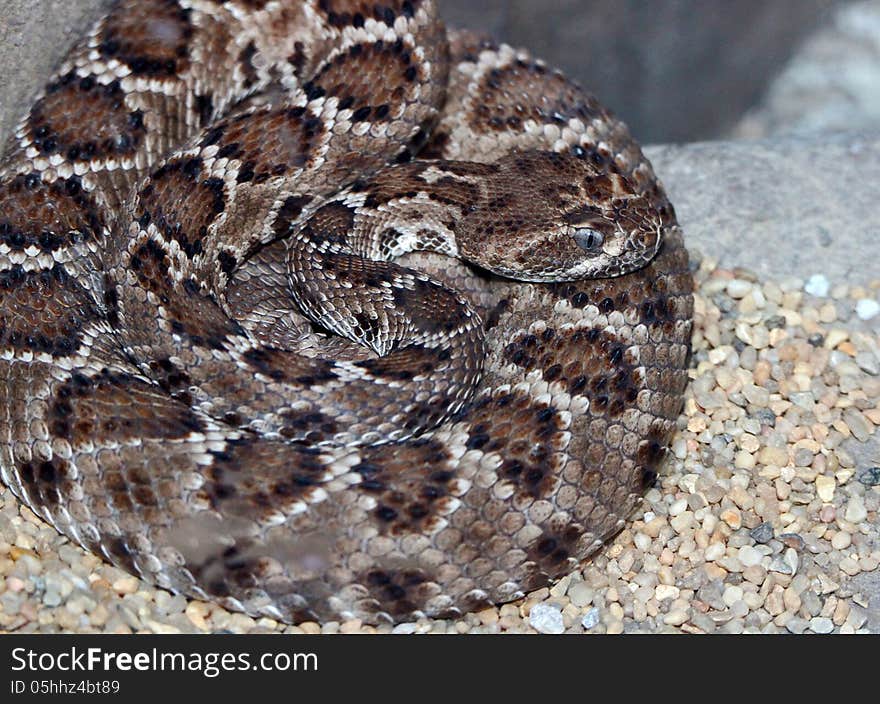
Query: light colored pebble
point(642, 541)
point(749, 556)
point(558, 590)
point(580, 594)
point(353, 626)
point(787, 563)
point(590, 619)
point(732, 594)
point(682, 522)
point(676, 617)
point(858, 425)
point(756, 395)
point(796, 625)
point(744, 460)
point(835, 337)
point(841, 540)
point(546, 618)
point(126, 585)
point(732, 517)
point(817, 285)
point(755, 574)
point(715, 551)
point(678, 507)
point(614, 628)
point(775, 456)
point(196, 611)
point(161, 628)
point(821, 625)
point(849, 566)
point(868, 363)
point(404, 629)
point(666, 591)
point(825, 487)
point(801, 399)
point(867, 308)
point(774, 603)
point(791, 599)
point(738, 288)
point(855, 510)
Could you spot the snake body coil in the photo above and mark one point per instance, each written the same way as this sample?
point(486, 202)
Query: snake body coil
point(314, 310)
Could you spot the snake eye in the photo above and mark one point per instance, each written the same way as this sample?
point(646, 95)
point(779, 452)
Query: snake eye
point(588, 240)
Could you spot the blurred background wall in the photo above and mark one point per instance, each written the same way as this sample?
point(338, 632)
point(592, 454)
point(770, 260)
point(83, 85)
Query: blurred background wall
point(675, 70)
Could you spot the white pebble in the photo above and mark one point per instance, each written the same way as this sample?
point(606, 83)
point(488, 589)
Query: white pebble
point(821, 625)
point(732, 595)
point(678, 507)
point(714, 552)
point(817, 285)
point(791, 559)
point(642, 541)
point(855, 510)
point(580, 594)
point(545, 618)
point(126, 585)
point(590, 619)
point(841, 540)
point(867, 308)
point(749, 556)
point(737, 288)
point(682, 523)
point(666, 591)
point(786, 563)
point(825, 487)
point(676, 617)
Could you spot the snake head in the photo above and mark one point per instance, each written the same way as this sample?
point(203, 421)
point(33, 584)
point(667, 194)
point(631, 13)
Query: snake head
point(613, 235)
point(567, 220)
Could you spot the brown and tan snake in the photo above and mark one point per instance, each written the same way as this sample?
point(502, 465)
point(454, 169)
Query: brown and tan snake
point(312, 309)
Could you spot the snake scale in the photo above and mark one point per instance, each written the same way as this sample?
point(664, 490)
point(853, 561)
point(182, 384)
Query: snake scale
point(315, 310)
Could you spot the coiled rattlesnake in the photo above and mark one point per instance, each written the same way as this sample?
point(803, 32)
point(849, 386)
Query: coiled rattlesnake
point(216, 377)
